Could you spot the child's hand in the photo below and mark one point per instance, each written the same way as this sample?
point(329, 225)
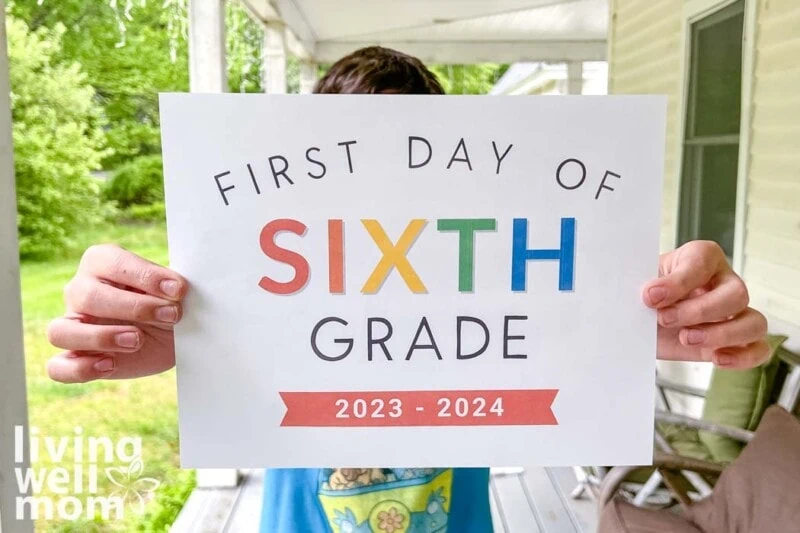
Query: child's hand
point(120, 313)
point(702, 309)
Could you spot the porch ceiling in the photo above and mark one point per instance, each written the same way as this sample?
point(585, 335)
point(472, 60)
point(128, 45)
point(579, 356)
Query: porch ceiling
point(444, 31)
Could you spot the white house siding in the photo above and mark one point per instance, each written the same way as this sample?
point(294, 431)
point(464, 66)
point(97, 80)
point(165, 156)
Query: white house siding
point(645, 57)
point(772, 242)
point(645, 52)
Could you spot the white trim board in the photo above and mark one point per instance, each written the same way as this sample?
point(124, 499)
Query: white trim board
point(475, 51)
point(781, 327)
point(13, 397)
point(745, 131)
point(695, 10)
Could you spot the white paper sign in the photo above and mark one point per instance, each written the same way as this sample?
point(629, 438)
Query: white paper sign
point(414, 280)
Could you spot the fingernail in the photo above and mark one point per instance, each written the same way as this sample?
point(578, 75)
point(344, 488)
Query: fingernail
point(170, 287)
point(724, 360)
point(167, 314)
point(695, 336)
point(104, 365)
point(127, 340)
point(668, 316)
point(657, 294)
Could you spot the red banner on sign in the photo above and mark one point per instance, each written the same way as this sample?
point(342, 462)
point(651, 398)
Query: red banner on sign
point(420, 408)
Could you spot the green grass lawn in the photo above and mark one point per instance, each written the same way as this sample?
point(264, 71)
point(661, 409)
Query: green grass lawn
point(115, 409)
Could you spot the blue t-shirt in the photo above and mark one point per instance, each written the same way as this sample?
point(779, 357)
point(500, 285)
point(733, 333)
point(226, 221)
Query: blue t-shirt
point(377, 500)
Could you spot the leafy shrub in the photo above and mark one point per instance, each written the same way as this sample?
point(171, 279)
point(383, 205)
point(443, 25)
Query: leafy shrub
point(130, 50)
point(145, 213)
point(138, 182)
point(58, 140)
point(478, 78)
point(169, 500)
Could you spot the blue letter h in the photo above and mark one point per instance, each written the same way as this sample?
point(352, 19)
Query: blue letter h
point(564, 255)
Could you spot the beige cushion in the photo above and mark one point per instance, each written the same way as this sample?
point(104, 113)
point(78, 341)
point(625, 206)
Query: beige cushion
point(622, 517)
point(760, 491)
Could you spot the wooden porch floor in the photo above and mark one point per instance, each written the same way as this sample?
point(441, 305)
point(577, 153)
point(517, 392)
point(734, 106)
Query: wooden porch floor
point(524, 500)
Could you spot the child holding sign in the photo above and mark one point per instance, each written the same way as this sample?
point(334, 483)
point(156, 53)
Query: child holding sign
point(121, 310)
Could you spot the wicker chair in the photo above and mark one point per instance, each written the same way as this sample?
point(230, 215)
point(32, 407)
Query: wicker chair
point(683, 478)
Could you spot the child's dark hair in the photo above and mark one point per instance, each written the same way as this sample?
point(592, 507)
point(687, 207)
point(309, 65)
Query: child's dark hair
point(378, 70)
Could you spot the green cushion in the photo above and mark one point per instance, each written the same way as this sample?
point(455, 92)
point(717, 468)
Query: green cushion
point(738, 398)
point(685, 441)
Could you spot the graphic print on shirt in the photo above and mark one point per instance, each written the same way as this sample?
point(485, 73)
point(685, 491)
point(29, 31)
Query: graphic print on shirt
point(386, 500)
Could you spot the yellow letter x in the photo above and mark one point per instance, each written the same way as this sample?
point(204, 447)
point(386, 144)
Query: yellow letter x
point(394, 255)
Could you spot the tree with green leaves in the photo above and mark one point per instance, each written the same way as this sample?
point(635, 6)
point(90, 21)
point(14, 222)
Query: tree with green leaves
point(468, 79)
point(130, 52)
point(58, 139)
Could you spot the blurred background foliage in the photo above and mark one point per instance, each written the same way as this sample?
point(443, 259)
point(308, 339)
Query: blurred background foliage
point(58, 139)
point(86, 77)
point(469, 79)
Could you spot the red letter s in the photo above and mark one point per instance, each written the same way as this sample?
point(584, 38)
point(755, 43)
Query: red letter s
point(293, 259)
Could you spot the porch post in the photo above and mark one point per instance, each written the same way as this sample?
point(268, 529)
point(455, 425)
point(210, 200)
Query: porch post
point(574, 77)
point(207, 67)
point(208, 73)
point(308, 76)
point(274, 58)
point(13, 401)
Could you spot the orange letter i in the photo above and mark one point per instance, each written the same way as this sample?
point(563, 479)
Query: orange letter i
point(336, 256)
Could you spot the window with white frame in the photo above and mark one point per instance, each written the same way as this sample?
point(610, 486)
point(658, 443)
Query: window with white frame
point(711, 137)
